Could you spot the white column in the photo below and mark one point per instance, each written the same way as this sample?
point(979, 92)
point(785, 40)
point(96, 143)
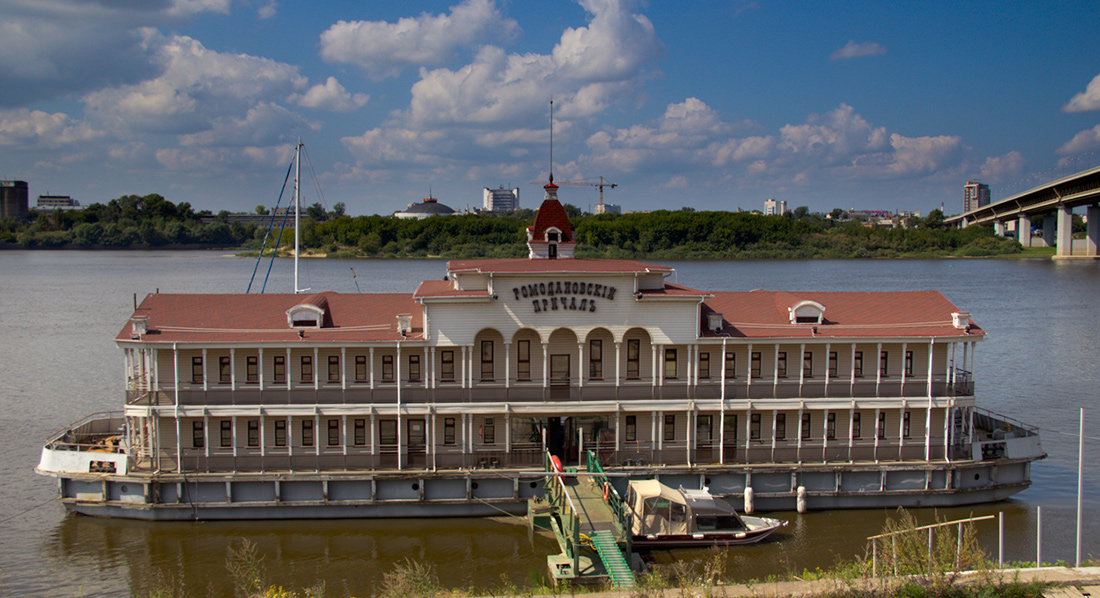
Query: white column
point(205, 371)
point(434, 376)
point(851, 425)
point(370, 368)
point(904, 347)
point(618, 363)
point(852, 373)
point(463, 366)
point(660, 355)
point(1023, 230)
point(878, 434)
point(343, 368)
point(232, 369)
point(878, 367)
point(1065, 230)
point(545, 365)
point(507, 365)
point(801, 367)
point(260, 367)
point(928, 421)
point(317, 370)
point(748, 370)
point(288, 369)
point(775, 370)
point(775, 420)
point(581, 368)
point(1092, 231)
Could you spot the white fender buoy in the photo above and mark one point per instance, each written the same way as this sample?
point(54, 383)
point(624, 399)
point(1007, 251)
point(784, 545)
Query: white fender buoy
point(801, 500)
point(748, 501)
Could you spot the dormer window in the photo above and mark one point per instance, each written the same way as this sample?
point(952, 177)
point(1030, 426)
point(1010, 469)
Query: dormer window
point(552, 236)
point(807, 312)
point(305, 316)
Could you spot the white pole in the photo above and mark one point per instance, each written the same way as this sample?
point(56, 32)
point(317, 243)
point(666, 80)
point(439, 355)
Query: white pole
point(1080, 480)
point(297, 206)
point(1038, 537)
point(1000, 539)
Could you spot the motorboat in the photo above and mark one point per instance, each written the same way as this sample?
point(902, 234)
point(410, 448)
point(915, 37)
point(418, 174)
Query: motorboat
point(679, 518)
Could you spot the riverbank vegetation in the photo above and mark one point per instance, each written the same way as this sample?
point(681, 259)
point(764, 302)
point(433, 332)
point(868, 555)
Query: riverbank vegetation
point(952, 565)
point(152, 221)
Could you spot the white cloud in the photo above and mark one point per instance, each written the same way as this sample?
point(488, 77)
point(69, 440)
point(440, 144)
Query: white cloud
point(1003, 168)
point(838, 145)
point(1083, 141)
point(383, 49)
point(614, 46)
point(330, 95)
point(36, 128)
point(265, 124)
point(1087, 100)
point(268, 10)
point(197, 88)
point(852, 49)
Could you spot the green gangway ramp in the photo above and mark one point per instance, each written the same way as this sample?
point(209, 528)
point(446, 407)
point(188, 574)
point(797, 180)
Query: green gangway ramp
point(617, 568)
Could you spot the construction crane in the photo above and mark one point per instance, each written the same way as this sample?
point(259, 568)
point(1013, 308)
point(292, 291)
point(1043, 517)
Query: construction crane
point(601, 185)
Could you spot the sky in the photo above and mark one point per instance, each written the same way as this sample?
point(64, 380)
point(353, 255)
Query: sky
point(707, 104)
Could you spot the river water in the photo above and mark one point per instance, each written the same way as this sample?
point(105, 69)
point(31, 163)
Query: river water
point(59, 312)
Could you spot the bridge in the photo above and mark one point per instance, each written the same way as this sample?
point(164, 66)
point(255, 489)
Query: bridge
point(1053, 204)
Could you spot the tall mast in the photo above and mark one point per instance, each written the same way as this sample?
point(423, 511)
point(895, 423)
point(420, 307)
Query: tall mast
point(297, 208)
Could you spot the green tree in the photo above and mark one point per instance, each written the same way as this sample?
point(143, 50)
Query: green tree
point(261, 210)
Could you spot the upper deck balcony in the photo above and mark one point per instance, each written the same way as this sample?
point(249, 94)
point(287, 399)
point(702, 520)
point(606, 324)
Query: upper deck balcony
point(534, 391)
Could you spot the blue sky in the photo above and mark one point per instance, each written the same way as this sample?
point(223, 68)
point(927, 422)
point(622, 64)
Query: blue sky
point(707, 104)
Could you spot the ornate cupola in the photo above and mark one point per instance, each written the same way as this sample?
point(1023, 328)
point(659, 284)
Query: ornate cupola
point(551, 237)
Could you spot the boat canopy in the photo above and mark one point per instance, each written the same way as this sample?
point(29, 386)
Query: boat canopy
point(661, 510)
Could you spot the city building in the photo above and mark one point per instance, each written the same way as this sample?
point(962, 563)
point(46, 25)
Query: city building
point(56, 202)
point(500, 200)
point(429, 207)
point(773, 207)
point(14, 198)
point(609, 208)
point(975, 195)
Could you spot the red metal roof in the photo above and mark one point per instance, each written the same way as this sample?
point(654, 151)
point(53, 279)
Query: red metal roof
point(444, 288)
point(551, 215)
point(764, 314)
point(262, 318)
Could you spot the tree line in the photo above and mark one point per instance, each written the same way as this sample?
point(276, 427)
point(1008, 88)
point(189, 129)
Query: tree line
point(152, 221)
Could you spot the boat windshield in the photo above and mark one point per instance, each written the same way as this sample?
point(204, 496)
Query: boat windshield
point(719, 523)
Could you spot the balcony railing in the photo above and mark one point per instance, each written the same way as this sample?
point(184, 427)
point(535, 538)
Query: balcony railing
point(573, 389)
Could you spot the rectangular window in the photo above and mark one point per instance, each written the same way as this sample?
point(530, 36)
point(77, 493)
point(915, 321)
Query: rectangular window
point(781, 364)
point(755, 365)
point(595, 359)
point(857, 364)
point(633, 358)
point(830, 426)
point(227, 433)
point(280, 432)
point(780, 426)
point(731, 429)
point(449, 430)
point(307, 432)
point(704, 365)
point(908, 363)
point(278, 369)
point(807, 425)
point(487, 360)
point(196, 370)
point(905, 425)
point(883, 363)
point(198, 438)
point(387, 432)
point(253, 432)
point(670, 428)
point(414, 368)
point(523, 360)
point(447, 365)
point(631, 428)
point(307, 368)
point(703, 429)
point(225, 374)
point(360, 434)
point(754, 427)
point(832, 364)
point(731, 364)
point(416, 434)
point(252, 369)
point(360, 368)
point(489, 431)
point(882, 425)
point(333, 368)
point(387, 368)
point(670, 363)
point(807, 364)
point(334, 432)
point(857, 426)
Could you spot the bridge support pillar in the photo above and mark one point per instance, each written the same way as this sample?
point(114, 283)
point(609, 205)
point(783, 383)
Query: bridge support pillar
point(1065, 230)
point(999, 227)
point(1093, 235)
point(1023, 230)
point(1050, 223)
